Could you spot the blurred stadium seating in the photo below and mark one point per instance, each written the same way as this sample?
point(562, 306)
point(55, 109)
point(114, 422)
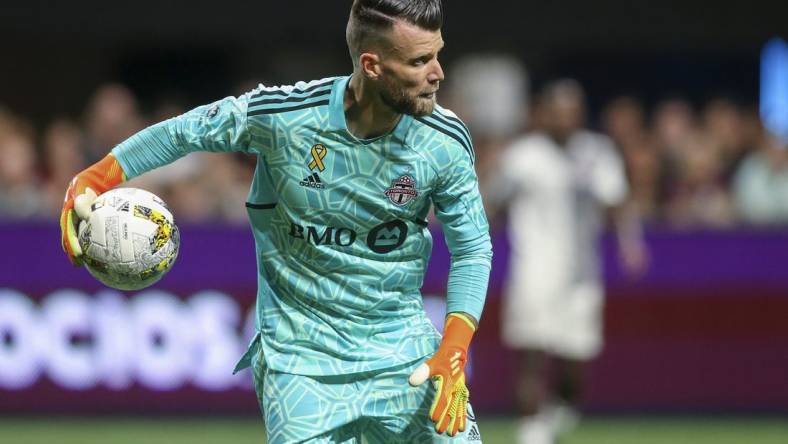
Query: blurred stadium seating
point(675, 85)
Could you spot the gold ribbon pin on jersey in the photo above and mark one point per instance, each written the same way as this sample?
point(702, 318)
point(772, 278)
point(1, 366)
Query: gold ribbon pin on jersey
point(318, 153)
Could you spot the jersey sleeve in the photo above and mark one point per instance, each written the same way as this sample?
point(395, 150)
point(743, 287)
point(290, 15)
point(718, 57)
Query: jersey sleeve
point(458, 206)
point(609, 182)
point(217, 127)
point(509, 178)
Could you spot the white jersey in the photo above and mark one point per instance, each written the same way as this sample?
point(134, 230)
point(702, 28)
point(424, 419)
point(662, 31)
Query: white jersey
point(557, 203)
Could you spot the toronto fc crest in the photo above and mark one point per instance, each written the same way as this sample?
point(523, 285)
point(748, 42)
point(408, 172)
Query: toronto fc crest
point(402, 190)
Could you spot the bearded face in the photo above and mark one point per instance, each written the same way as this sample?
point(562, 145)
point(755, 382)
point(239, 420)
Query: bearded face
point(410, 72)
point(403, 99)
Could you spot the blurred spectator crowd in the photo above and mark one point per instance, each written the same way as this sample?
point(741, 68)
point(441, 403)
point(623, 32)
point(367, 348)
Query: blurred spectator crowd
point(36, 166)
point(708, 165)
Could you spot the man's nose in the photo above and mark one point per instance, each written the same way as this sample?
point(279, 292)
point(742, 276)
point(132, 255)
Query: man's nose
point(436, 73)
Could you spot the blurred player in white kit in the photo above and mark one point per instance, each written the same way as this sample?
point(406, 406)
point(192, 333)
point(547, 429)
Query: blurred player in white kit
point(558, 183)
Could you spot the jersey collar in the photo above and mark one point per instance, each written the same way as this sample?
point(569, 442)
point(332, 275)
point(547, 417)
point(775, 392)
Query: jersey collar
point(336, 114)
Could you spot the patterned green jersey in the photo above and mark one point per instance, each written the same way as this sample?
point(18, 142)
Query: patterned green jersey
point(340, 222)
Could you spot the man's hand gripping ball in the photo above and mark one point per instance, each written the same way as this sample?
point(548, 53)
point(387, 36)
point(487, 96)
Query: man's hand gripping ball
point(447, 369)
point(82, 191)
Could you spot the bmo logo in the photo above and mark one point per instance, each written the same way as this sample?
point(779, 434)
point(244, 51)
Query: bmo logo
point(387, 237)
point(382, 239)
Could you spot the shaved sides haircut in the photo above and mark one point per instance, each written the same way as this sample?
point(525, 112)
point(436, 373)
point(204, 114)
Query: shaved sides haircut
point(370, 20)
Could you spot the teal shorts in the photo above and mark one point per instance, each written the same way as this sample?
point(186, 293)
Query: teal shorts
point(373, 407)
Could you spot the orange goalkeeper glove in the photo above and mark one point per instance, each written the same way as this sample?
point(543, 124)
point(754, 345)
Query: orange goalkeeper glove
point(447, 368)
point(81, 192)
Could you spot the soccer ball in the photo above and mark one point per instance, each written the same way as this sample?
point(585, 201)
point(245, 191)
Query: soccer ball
point(130, 240)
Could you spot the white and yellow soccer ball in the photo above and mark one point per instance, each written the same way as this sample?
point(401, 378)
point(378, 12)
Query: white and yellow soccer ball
point(130, 239)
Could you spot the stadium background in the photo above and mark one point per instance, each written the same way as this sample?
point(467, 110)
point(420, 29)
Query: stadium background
point(696, 351)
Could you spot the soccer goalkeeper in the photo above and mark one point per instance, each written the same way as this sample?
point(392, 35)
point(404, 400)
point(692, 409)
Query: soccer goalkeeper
point(348, 169)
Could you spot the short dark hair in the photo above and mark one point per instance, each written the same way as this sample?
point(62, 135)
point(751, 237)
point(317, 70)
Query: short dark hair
point(369, 19)
point(561, 88)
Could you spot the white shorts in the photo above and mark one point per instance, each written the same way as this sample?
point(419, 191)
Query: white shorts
point(563, 320)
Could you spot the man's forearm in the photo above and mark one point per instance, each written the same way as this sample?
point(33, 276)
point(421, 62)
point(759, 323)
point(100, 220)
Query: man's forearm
point(467, 288)
point(148, 149)
point(629, 230)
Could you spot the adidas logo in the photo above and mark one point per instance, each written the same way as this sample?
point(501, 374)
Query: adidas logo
point(473, 434)
point(312, 181)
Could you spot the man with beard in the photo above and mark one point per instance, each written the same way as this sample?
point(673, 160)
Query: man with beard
point(347, 171)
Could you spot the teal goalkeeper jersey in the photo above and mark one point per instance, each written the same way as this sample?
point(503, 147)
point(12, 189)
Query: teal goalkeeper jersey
point(340, 223)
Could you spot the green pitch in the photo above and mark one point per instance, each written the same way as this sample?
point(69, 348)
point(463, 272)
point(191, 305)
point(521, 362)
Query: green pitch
point(494, 431)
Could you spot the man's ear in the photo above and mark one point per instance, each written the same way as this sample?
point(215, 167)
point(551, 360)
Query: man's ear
point(370, 65)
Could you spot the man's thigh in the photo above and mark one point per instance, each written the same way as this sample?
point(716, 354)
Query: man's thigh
point(578, 333)
point(375, 407)
point(395, 412)
point(303, 409)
